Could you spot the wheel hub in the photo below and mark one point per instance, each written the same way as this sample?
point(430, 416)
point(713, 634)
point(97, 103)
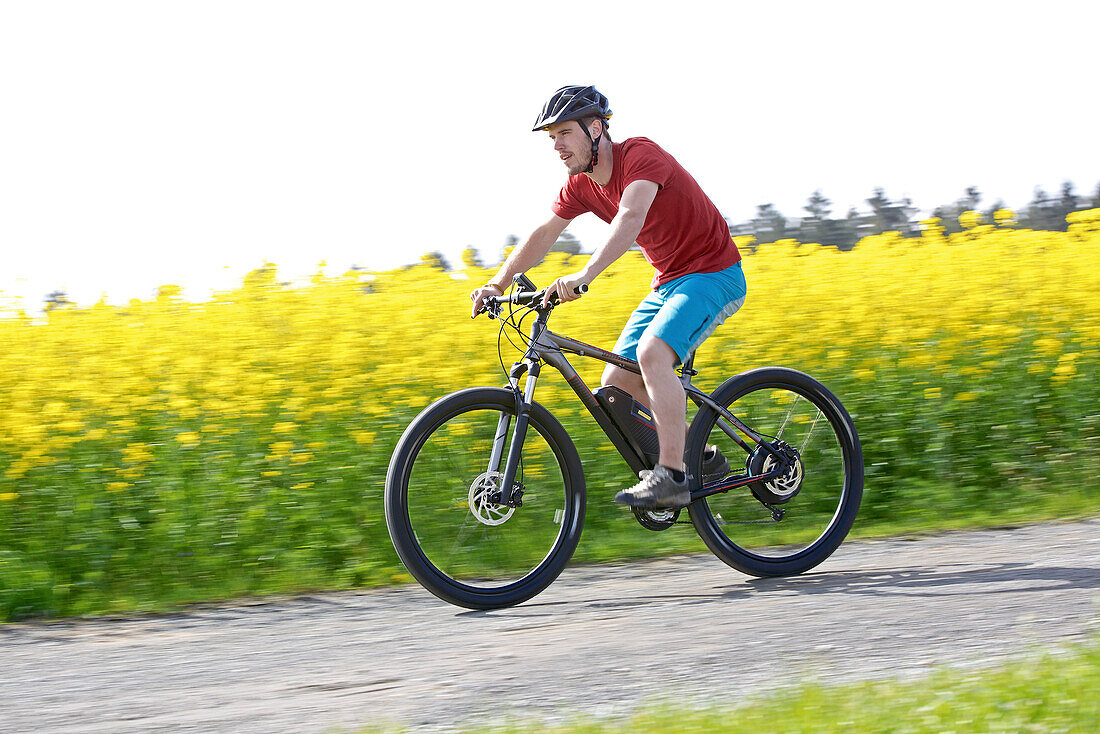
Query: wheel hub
point(783, 487)
point(482, 493)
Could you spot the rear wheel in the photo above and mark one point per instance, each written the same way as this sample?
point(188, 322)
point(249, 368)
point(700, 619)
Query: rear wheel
point(795, 520)
point(443, 508)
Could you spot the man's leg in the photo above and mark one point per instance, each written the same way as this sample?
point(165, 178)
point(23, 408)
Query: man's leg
point(630, 382)
point(666, 396)
point(687, 310)
point(667, 485)
point(658, 385)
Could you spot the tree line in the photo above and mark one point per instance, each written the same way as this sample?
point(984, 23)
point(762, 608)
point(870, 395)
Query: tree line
point(1044, 212)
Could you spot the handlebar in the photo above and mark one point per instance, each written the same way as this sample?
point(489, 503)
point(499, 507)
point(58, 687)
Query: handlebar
point(524, 298)
point(527, 297)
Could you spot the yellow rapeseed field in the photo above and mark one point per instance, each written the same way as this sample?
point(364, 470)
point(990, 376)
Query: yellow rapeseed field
point(166, 448)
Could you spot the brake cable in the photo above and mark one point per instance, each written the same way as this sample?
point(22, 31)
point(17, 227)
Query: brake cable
point(510, 321)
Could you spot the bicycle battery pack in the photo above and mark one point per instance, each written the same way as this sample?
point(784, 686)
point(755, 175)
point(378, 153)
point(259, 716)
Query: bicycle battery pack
point(634, 420)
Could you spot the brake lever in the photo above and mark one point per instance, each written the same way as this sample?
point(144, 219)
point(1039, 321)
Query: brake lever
point(490, 307)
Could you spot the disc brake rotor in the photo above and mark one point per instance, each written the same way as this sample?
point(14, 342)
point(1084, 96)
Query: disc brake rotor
point(782, 488)
point(487, 512)
point(786, 484)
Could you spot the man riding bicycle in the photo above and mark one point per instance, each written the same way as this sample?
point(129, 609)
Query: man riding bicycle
point(648, 198)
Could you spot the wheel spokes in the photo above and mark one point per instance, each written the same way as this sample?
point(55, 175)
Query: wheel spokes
point(796, 507)
point(469, 535)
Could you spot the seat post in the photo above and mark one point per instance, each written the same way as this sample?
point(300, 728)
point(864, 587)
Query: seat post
point(687, 370)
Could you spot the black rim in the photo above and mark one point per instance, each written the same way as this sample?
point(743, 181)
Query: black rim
point(758, 521)
point(566, 504)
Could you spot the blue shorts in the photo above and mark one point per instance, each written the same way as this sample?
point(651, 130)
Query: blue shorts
point(685, 311)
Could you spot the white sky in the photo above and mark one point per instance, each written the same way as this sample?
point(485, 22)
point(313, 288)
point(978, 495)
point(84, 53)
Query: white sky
point(144, 143)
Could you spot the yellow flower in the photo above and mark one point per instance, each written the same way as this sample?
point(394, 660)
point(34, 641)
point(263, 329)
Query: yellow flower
point(279, 449)
point(1048, 346)
point(970, 219)
point(8, 496)
point(188, 439)
point(70, 425)
point(1065, 370)
point(138, 453)
point(363, 438)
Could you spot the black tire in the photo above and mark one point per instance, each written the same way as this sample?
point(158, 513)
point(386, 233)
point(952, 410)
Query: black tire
point(447, 539)
point(736, 525)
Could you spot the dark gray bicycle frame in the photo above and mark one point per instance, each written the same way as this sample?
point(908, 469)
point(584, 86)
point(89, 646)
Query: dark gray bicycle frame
point(546, 346)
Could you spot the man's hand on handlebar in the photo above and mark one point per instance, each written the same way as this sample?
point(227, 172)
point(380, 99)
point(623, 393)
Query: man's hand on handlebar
point(478, 296)
point(567, 288)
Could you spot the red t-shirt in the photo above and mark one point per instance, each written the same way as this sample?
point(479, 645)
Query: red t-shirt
point(683, 231)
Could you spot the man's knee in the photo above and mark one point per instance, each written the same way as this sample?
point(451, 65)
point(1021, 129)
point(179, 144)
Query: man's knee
point(655, 353)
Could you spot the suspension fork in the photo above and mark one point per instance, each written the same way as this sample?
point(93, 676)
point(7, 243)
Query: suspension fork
point(498, 442)
point(523, 409)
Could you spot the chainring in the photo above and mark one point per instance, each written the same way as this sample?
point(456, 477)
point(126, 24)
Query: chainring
point(656, 519)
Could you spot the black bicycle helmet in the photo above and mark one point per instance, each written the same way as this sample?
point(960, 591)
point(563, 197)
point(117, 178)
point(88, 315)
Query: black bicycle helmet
point(572, 103)
point(576, 103)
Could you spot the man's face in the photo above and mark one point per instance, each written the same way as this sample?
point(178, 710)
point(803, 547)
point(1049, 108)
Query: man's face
point(572, 145)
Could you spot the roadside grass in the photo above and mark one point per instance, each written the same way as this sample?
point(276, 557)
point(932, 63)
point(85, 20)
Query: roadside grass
point(1045, 692)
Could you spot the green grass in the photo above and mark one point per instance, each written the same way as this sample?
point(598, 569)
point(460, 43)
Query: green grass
point(1052, 692)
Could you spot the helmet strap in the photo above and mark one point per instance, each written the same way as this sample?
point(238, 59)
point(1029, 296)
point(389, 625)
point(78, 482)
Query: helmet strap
point(595, 159)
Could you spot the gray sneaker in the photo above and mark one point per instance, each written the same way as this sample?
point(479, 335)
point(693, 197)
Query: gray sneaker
point(657, 489)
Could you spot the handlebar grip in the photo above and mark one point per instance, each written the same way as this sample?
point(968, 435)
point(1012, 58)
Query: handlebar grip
point(581, 289)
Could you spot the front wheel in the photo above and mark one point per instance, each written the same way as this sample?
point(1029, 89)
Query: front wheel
point(442, 500)
point(795, 520)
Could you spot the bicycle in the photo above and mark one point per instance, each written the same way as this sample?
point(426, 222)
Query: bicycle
point(485, 512)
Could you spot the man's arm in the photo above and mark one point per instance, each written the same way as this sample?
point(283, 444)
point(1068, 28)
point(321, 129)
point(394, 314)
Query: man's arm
point(523, 258)
point(628, 222)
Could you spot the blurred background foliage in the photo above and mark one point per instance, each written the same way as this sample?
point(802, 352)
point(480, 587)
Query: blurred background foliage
point(817, 222)
point(167, 451)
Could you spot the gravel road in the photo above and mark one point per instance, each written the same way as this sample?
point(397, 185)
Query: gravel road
point(601, 640)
